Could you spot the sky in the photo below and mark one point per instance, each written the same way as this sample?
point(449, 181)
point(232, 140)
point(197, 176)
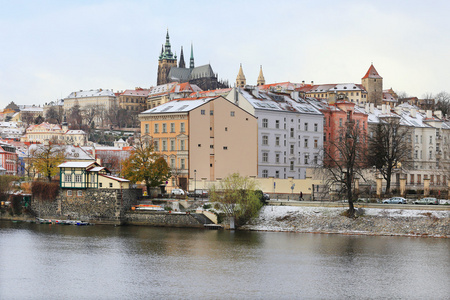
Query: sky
point(52, 48)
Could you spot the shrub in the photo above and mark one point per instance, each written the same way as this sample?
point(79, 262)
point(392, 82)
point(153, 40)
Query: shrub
point(47, 191)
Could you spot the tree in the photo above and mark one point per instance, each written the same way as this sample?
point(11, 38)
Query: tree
point(389, 148)
point(27, 117)
point(344, 159)
point(144, 164)
point(75, 117)
point(443, 102)
point(46, 158)
point(237, 197)
point(39, 119)
point(53, 115)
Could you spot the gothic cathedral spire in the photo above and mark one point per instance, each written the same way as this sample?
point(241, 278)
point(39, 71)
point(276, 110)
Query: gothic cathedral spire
point(191, 61)
point(166, 61)
point(181, 63)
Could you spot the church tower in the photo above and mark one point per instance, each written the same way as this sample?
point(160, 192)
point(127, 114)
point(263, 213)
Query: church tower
point(191, 61)
point(261, 80)
point(240, 79)
point(373, 83)
point(181, 64)
point(166, 61)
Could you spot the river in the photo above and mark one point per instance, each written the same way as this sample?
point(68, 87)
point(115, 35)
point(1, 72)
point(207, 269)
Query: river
point(105, 262)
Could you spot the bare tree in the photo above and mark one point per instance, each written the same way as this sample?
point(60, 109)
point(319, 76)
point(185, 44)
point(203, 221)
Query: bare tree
point(389, 148)
point(443, 102)
point(75, 117)
point(27, 117)
point(54, 115)
point(90, 113)
point(344, 159)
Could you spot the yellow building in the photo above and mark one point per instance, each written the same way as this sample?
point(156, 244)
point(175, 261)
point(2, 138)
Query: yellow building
point(46, 132)
point(206, 138)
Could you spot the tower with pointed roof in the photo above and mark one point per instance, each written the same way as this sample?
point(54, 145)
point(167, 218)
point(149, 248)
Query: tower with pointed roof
point(240, 79)
point(261, 80)
point(181, 64)
point(373, 84)
point(191, 61)
point(166, 61)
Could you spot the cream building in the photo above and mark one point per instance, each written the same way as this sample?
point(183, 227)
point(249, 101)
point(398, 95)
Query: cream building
point(207, 138)
point(46, 132)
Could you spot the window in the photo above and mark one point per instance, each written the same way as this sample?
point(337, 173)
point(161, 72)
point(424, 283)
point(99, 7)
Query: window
point(277, 158)
point(306, 158)
point(316, 126)
point(69, 193)
point(225, 148)
point(156, 145)
point(265, 124)
point(340, 122)
point(164, 145)
point(211, 112)
point(277, 123)
point(431, 139)
point(78, 178)
point(265, 173)
point(277, 174)
point(292, 132)
point(182, 127)
point(316, 143)
point(430, 155)
point(146, 128)
point(172, 162)
point(232, 113)
point(277, 141)
point(306, 143)
point(183, 164)
point(79, 193)
point(202, 112)
point(164, 127)
point(265, 140)
point(291, 151)
point(68, 178)
point(110, 185)
point(265, 157)
point(172, 145)
point(306, 126)
point(315, 159)
point(172, 127)
point(291, 165)
point(100, 184)
point(156, 128)
point(182, 145)
point(211, 146)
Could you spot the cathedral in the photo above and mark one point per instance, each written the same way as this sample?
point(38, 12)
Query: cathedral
point(168, 71)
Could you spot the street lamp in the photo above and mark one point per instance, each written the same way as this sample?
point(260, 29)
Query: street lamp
point(195, 184)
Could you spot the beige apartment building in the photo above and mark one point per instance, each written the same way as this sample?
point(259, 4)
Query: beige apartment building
point(203, 139)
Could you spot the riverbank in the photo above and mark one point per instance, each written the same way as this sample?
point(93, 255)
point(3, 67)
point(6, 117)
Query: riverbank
point(370, 221)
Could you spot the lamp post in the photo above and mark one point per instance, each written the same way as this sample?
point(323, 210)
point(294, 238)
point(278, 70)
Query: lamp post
point(195, 184)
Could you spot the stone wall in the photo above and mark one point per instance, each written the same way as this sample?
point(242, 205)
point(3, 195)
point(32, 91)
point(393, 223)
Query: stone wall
point(164, 219)
point(92, 205)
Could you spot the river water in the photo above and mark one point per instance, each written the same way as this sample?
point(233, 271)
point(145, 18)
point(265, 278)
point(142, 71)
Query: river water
point(105, 262)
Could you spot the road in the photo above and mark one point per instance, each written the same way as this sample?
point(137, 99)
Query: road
point(365, 205)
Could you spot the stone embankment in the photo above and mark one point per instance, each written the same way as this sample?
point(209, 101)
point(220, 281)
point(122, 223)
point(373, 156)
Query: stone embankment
point(370, 221)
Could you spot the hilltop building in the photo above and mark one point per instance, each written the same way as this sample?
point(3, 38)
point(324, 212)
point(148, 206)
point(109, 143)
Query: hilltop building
point(202, 76)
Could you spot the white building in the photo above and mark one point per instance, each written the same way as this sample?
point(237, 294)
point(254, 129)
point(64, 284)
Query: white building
point(290, 131)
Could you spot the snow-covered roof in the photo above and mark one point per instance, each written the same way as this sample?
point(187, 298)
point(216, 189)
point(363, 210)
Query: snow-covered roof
point(72, 132)
point(184, 105)
point(91, 93)
point(114, 178)
point(263, 100)
point(96, 169)
point(76, 164)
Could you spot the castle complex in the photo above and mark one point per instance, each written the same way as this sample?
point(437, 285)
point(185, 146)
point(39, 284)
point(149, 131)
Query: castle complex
point(202, 76)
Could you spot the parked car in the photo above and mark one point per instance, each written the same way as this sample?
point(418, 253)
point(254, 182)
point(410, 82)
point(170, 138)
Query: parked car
point(428, 200)
point(395, 200)
point(177, 192)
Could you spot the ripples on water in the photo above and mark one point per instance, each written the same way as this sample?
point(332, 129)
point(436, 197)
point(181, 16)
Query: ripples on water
point(102, 262)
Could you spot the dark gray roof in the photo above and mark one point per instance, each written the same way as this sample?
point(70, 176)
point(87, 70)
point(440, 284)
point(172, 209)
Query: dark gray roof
point(186, 74)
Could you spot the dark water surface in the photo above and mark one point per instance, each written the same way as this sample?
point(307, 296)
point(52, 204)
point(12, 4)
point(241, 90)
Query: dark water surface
point(103, 262)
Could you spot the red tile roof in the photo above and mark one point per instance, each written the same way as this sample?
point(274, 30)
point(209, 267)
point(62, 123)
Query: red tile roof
point(372, 73)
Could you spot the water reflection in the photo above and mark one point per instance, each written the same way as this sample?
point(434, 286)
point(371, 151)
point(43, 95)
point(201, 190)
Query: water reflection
point(104, 262)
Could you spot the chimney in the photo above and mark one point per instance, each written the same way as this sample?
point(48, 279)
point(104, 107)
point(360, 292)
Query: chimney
point(383, 109)
point(303, 82)
point(438, 114)
point(372, 108)
point(312, 82)
point(429, 114)
point(413, 112)
point(367, 108)
point(294, 95)
point(398, 110)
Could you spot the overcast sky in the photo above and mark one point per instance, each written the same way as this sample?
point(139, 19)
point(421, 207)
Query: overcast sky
point(52, 48)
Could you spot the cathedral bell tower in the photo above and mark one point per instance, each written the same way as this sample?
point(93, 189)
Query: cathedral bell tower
point(261, 80)
point(166, 61)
